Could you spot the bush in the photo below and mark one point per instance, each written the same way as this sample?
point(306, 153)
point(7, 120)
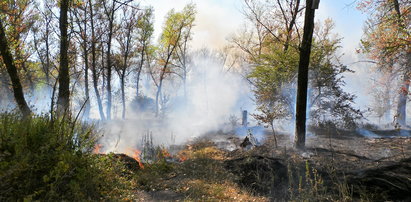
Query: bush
point(43, 159)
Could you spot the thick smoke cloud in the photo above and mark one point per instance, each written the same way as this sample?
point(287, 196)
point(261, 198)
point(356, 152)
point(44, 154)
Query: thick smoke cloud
point(213, 95)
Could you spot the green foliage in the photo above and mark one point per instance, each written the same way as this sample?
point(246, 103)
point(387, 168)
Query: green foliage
point(177, 24)
point(145, 26)
point(274, 78)
point(52, 160)
point(328, 101)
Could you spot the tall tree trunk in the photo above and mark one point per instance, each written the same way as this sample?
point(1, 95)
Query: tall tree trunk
point(402, 98)
point(12, 71)
point(109, 66)
point(47, 69)
point(63, 100)
point(123, 95)
point(140, 68)
point(87, 90)
point(22, 63)
point(109, 72)
point(305, 51)
point(93, 63)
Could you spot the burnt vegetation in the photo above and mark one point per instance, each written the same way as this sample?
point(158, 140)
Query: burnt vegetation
point(97, 105)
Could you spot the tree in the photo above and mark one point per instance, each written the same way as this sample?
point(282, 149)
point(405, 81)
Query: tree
point(273, 69)
point(145, 32)
point(181, 54)
point(43, 39)
point(94, 69)
point(175, 26)
point(19, 19)
point(305, 51)
point(327, 101)
point(387, 40)
point(80, 14)
point(8, 60)
point(126, 40)
point(271, 48)
point(110, 8)
point(63, 100)
point(109, 11)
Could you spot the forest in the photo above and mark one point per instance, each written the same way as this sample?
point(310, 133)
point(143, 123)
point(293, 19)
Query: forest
point(250, 100)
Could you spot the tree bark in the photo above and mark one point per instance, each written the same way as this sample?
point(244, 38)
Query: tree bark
point(86, 68)
point(109, 65)
point(123, 95)
point(160, 85)
point(140, 68)
point(63, 100)
point(402, 99)
point(12, 71)
point(305, 51)
point(93, 63)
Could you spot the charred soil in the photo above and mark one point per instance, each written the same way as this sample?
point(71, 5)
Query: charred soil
point(332, 168)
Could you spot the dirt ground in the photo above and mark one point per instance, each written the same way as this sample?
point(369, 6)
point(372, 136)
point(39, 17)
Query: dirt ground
point(216, 168)
point(383, 161)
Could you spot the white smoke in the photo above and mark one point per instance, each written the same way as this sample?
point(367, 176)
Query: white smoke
point(213, 94)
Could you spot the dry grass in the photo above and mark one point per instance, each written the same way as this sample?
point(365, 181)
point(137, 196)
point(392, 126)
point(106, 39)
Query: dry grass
point(200, 176)
point(206, 173)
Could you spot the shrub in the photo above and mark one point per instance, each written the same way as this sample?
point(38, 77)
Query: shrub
point(43, 159)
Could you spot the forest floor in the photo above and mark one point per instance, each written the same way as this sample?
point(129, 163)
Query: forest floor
point(336, 166)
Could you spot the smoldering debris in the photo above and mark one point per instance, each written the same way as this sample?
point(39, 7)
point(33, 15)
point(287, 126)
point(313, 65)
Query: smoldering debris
point(249, 141)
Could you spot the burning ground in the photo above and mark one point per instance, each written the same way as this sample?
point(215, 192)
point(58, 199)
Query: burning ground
point(337, 165)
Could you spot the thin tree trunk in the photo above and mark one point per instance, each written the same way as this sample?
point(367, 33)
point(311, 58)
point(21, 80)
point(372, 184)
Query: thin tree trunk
point(109, 67)
point(63, 100)
point(12, 71)
point(86, 68)
point(158, 96)
point(123, 95)
point(139, 70)
point(305, 51)
point(163, 71)
point(93, 64)
point(275, 137)
point(291, 25)
point(47, 70)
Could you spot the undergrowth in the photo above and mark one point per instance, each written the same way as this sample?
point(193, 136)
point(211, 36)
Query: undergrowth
point(52, 160)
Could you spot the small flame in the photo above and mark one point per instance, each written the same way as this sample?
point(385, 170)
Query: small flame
point(165, 153)
point(182, 158)
point(135, 153)
point(97, 149)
